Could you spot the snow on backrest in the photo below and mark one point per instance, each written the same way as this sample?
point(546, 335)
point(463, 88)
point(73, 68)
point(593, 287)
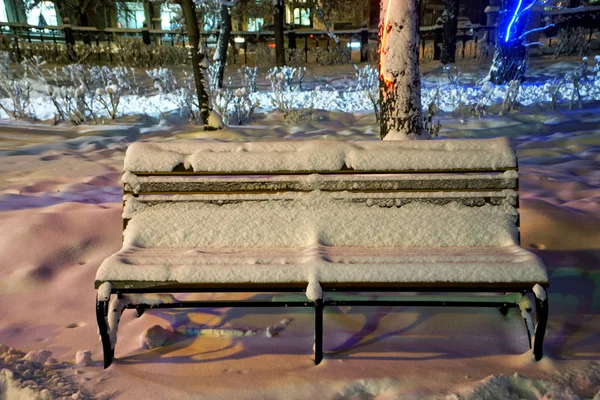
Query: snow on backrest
point(321, 155)
point(317, 218)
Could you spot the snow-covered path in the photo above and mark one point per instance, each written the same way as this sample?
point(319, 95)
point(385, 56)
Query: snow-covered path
point(60, 199)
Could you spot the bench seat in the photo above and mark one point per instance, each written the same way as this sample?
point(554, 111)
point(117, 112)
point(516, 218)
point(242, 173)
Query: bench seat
point(151, 267)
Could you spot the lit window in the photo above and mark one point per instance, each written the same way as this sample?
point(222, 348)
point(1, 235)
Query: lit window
point(43, 13)
point(169, 14)
point(254, 24)
point(130, 15)
point(3, 16)
point(301, 16)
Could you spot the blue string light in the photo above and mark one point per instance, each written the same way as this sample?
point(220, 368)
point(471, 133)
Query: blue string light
point(512, 21)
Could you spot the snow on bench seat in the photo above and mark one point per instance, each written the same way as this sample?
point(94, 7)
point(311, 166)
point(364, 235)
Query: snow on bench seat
point(397, 265)
point(321, 155)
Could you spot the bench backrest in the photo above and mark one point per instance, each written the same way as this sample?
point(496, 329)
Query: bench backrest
point(297, 194)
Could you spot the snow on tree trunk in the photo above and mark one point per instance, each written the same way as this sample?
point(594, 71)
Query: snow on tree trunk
point(223, 43)
point(509, 63)
point(399, 74)
point(198, 61)
point(510, 56)
point(278, 14)
point(450, 24)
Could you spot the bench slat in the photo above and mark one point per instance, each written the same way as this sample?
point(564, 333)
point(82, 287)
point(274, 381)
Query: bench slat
point(397, 182)
point(181, 170)
point(449, 287)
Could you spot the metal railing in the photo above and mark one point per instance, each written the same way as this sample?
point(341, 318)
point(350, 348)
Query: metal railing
point(472, 41)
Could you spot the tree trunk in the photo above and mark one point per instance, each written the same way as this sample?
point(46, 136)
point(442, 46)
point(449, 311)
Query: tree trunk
point(509, 63)
point(399, 74)
point(83, 21)
point(198, 62)
point(223, 43)
point(450, 25)
point(510, 56)
point(278, 14)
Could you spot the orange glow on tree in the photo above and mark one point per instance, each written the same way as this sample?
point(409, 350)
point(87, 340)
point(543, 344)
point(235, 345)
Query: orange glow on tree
point(387, 80)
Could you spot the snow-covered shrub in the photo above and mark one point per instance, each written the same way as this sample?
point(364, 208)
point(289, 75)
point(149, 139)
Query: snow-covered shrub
point(579, 79)
point(248, 78)
point(263, 56)
point(291, 104)
point(102, 77)
point(287, 78)
point(572, 40)
point(432, 110)
point(427, 54)
point(19, 94)
point(485, 100)
point(70, 104)
point(234, 106)
point(510, 102)
point(132, 51)
point(102, 89)
point(109, 98)
point(16, 88)
point(168, 55)
point(242, 108)
point(304, 110)
point(76, 74)
point(163, 78)
point(329, 56)
point(47, 51)
point(99, 76)
point(32, 68)
point(367, 80)
point(373, 52)
point(452, 73)
point(552, 89)
point(294, 57)
point(187, 101)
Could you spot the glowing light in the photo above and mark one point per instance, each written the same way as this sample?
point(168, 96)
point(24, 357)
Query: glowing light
point(387, 80)
point(512, 21)
point(239, 39)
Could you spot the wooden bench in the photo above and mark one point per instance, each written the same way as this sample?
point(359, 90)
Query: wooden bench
point(319, 217)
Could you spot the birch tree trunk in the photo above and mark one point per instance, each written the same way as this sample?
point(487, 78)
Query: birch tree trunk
point(198, 61)
point(223, 43)
point(399, 74)
point(278, 14)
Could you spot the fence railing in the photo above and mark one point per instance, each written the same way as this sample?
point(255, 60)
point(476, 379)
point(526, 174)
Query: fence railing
point(361, 43)
point(472, 41)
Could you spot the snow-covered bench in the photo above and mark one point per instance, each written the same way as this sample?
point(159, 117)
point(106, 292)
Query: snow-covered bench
point(318, 217)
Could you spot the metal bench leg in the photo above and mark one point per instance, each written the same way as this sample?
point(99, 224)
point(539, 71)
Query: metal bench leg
point(139, 311)
point(101, 314)
point(541, 312)
point(318, 331)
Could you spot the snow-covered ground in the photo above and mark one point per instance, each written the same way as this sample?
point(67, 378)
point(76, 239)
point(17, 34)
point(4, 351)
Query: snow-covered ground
point(60, 198)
